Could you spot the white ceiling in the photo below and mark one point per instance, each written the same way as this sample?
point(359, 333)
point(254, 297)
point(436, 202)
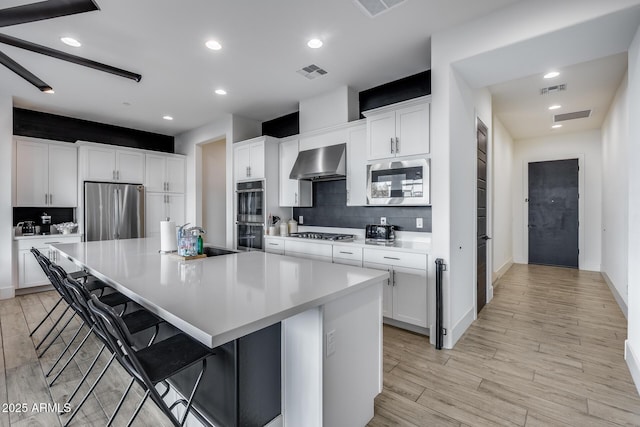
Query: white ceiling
point(264, 43)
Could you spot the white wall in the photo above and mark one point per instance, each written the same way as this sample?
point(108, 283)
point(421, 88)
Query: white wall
point(502, 199)
point(615, 200)
point(632, 353)
point(586, 147)
point(453, 121)
point(214, 189)
point(6, 212)
point(230, 128)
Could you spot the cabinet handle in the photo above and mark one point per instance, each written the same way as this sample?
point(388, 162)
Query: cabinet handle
point(296, 199)
point(391, 140)
point(397, 145)
point(118, 175)
point(46, 198)
point(50, 198)
point(393, 275)
point(344, 252)
point(167, 186)
point(273, 244)
point(390, 257)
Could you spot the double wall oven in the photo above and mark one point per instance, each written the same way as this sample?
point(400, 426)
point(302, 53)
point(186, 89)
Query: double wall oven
point(250, 215)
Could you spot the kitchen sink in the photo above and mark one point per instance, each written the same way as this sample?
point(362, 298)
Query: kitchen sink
point(214, 251)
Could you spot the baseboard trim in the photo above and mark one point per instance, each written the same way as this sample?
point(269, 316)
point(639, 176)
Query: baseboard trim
point(455, 333)
point(502, 270)
point(633, 363)
point(7, 293)
point(408, 326)
point(616, 295)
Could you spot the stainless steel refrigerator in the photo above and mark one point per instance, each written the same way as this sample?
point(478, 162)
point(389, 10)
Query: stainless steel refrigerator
point(113, 211)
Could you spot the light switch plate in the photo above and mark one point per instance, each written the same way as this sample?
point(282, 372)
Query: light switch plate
point(383, 220)
point(331, 342)
point(418, 222)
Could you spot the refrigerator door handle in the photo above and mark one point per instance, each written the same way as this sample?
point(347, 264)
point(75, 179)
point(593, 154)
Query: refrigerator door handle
point(116, 213)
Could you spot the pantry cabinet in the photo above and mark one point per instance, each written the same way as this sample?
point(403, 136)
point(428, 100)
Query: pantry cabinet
point(398, 130)
point(46, 174)
point(292, 192)
point(102, 163)
point(164, 173)
point(248, 160)
point(159, 207)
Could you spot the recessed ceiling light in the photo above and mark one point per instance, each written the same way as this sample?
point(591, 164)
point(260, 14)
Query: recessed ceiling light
point(314, 43)
point(556, 126)
point(213, 45)
point(167, 117)
point(220, 92)
point(551, 75)
point(555, 107)
point(70, 41)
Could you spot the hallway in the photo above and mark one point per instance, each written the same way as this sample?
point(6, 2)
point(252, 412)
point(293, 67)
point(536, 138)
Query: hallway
point(546, 351)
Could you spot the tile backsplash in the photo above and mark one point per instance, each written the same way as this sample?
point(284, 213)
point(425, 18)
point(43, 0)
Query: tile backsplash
point(330, 210)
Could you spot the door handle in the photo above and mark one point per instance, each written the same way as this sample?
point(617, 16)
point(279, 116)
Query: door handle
point(485, 237)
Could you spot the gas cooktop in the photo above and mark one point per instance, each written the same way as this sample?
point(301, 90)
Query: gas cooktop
point(324, 236)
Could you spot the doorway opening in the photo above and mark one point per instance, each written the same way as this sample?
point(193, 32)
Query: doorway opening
point(553, 211)
point(214, 192)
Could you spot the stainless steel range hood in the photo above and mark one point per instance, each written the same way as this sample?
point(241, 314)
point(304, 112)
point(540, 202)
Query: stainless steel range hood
point(321, 164)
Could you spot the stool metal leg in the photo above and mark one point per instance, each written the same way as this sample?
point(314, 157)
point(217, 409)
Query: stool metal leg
point(193, 392)
point(53, 327)
point(86, 374)
point(65, 350)
point(84, 340)
point(93, 387)
point(113, 416)
point(57, 335)
point(137, 411)
point(46, 317)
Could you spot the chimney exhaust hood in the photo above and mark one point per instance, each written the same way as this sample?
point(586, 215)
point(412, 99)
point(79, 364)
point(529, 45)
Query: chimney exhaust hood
point(321, 164)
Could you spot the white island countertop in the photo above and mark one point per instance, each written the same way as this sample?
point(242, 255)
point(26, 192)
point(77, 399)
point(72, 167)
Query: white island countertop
point(217, 299)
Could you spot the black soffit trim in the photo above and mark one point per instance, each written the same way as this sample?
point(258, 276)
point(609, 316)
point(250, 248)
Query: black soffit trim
point(37, 48)
point(24, 73)
point(44, 10)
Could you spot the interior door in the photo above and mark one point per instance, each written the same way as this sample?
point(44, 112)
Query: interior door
point(553, 213)
point(481, 217)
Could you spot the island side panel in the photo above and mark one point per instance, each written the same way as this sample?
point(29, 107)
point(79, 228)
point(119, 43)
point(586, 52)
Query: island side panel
point(352, 357)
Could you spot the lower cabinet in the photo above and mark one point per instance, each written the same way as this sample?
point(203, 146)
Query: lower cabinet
point(308, 250)
point(29, 271)
point(159, 207)
point(405, 295)
point(273, 245)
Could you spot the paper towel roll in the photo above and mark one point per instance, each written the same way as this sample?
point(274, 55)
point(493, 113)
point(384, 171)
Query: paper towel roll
point(168, 236)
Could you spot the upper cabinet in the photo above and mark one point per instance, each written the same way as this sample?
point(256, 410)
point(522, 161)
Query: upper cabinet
point(164, 173)
point(46, 174)
point(114, 165)
point(398, 130)
point(248, 160)
point(292, 191)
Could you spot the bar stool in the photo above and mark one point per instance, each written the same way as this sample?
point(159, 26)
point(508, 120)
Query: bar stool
point(135, 322)
point(153, 364)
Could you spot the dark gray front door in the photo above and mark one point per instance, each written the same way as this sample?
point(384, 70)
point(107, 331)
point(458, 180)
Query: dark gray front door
point(553, 213)
point(481, 217)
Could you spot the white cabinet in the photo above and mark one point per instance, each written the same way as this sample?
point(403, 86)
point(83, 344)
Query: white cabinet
point(46, 174)
point(347, 254)
point(159, 207)
point(274, 246)
point(29, 271)
point(113, 165)
point(398, 130)
point(309, 250)
point(356, 166)
point(164, 173)
point(292, 192)
point(248, 160)
point(405, 294)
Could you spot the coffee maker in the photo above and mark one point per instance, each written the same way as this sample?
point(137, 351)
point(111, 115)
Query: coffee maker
point(45, 223)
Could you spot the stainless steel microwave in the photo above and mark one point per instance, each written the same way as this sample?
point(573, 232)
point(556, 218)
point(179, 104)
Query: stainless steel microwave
point(399, 183)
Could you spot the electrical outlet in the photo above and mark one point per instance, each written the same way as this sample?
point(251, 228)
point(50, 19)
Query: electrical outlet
point(383, 220)
point(418, 222)
point(300, 220)
point(331, 342)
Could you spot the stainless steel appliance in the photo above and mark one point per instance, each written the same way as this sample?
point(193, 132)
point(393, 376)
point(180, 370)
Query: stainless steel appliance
point(321, 164)
point(398, 183)
point(27, 228)
point(250, 215)
point(113, 211)
point(45, 223)
point(323, 236)
point(375, 233)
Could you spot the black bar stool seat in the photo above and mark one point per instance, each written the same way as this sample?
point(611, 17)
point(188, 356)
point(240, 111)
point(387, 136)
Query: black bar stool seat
point(140, 320)
point(114, 299)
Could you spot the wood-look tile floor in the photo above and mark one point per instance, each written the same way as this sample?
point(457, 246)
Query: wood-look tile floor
point(548, 350)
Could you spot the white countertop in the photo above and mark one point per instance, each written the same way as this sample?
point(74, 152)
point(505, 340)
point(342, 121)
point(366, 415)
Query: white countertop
point(217, 299)
point(44, 236)
point(401, 245)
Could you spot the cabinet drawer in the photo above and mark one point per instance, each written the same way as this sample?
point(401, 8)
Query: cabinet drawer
point(274, 244)
point(307, 248)
point(347, 252)
point(401, 259)
point(45, 241)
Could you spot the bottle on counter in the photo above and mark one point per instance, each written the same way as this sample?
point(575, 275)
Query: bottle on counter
point(293, 226)
point(200, 244)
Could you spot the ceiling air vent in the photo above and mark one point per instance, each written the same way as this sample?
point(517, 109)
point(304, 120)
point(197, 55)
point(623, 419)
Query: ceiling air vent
point(553, 89)
point(375, 7)
point(571, 116)
point(312, 71)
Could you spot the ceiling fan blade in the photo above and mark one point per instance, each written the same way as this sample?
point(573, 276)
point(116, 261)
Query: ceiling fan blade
point(33, 47)
point(24, 73)
point(44, 10)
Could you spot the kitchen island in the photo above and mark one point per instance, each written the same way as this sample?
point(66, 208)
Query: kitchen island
point(329, 316)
